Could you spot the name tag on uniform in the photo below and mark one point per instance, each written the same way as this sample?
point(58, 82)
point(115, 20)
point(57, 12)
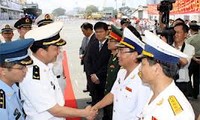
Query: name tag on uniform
point(128, 89)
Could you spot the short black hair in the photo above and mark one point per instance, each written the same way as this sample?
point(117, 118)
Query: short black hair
point(179, 19)
point(169, 69)
point(185, 27)
point(34, 48)
point(194, 27)
point(87, 25)
point(100, 25)
point(8, 64)
point(125, 20)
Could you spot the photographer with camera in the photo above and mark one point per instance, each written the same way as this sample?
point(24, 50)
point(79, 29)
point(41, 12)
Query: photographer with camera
point(176, 36)
point(182, 79)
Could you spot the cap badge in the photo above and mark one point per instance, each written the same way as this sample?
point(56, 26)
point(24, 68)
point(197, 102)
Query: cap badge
point(47, 16)
point(27, 20)
point(7, 26)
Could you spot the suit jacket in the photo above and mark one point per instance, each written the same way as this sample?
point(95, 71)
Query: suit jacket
point(83, 46)
point(92, 39)
point(97, 61)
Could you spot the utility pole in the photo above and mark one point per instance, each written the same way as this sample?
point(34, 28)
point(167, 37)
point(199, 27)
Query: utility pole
point(116, 4)
point(123, 3)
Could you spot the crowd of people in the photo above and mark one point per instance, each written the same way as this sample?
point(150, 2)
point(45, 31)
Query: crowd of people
point(129, 76)
point(182, 75)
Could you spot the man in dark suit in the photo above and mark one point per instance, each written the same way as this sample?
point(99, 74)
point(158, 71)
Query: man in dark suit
point(89, 37)
point(97, 61)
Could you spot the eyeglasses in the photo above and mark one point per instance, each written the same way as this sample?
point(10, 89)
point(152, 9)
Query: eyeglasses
point(122, 51)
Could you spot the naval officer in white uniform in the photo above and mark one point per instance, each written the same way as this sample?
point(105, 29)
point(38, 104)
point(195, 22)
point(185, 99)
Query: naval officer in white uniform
point(128, 93)
point(159, 65)
point(40, 91)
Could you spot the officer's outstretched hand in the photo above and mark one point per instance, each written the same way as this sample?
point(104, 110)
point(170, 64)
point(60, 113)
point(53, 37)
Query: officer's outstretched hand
point(91, 113)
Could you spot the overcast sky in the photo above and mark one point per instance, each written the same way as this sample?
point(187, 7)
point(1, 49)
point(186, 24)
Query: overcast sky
point(48, 5)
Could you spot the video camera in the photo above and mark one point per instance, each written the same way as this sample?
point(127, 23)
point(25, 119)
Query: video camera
point(164, 7)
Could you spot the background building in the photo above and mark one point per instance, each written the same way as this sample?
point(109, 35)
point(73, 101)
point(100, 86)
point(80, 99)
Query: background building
point(10, 9)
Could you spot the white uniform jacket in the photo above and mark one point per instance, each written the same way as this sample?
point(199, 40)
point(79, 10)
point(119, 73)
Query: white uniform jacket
point(40, 91)
point(183, 71)
point(170, 104)
point(130, 95)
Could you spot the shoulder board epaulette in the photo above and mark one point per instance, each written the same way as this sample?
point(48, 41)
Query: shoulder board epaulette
point(2, 99)
point(36, 72)
point(175, 105)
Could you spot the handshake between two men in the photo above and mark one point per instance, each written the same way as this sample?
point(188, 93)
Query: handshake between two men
point(91, 112)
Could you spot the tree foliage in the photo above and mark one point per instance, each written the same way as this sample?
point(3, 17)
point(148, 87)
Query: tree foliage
point(90, 9)
point(59, 12)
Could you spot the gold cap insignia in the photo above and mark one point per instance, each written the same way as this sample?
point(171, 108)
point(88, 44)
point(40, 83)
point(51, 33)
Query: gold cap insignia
point(47, 16)
point(7, 26)
point(27, 20)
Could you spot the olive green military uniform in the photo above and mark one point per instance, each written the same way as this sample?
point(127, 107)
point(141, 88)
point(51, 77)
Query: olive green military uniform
point(113, 68)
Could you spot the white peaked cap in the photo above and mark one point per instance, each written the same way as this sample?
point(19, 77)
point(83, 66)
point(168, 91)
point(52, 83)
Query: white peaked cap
point(158, 49)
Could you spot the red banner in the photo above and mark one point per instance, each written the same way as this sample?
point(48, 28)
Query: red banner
point(152, 9)
point(180, 7)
